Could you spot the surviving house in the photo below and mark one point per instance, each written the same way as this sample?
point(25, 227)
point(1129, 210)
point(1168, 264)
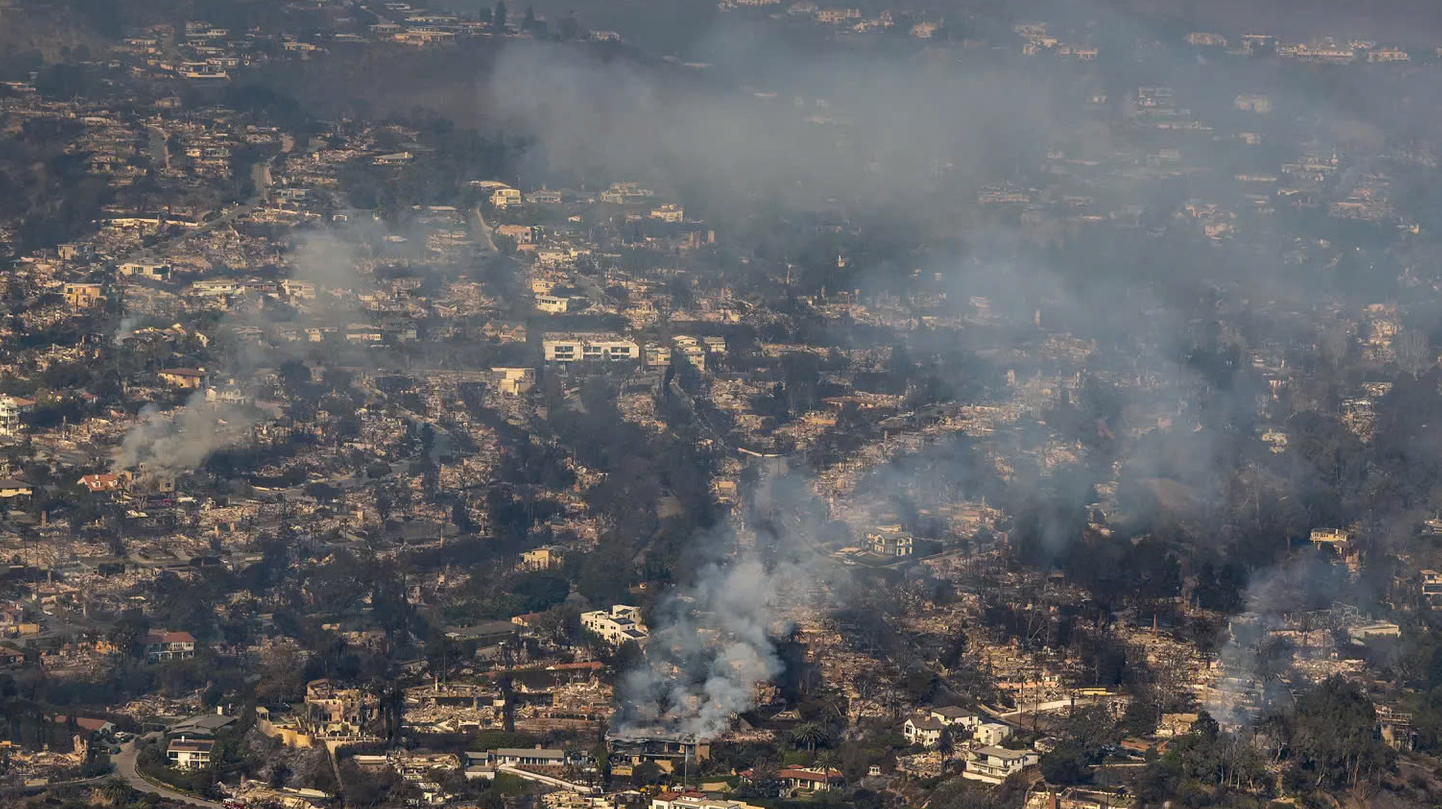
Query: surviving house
point(184, 378)
point(923, 730)
point(988, 733)
point(169, 645)
point(955, 717)
point(992, 765)
point(591, 347)
point(189, 754)
point(808, 780)
point(513, 381)
point(526, 757)
point(889, 540)
point(12, 409)
point(622, 623)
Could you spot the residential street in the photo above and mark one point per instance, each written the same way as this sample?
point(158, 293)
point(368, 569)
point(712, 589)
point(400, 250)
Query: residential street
point(125, 768)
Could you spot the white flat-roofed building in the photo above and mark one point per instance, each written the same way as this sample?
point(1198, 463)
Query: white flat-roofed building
point(552, 304)
point(592, 347)
point(620, 624)
point(12, 408)
point(675, 800)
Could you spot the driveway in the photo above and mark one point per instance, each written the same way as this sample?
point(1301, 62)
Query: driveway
point(125, 768)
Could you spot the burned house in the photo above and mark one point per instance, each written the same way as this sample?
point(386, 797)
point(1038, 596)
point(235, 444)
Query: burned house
point(670, 751)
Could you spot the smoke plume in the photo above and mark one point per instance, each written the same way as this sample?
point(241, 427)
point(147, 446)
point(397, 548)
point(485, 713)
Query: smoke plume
point(712, 645)
point(182, 439)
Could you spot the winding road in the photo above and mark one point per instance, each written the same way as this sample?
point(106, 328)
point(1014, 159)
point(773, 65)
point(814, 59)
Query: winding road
point(125, 768)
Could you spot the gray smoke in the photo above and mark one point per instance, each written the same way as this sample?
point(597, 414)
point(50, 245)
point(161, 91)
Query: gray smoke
point(807, 130)
point(180, 440)
point(126, 328)
point(711, 646)
point(1296, 599)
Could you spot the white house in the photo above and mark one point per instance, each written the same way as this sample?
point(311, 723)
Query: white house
point(955, 717)
point(993, 764)
point(989, 733)
point(890, 541)
point(658, 355)
point(505, 197)
point(161, 645)
point(593, 347)
point(189, 754)
point(669, 212)
point(695, 356)
point(616, 626)
point(513, 381)
point(552, 304)
point(11, 409)
point(923, 730)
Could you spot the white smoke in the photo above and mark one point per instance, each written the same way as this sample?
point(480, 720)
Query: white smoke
point(712, 647)
point(181, 439)
point(126, 329)
point(1299, 595)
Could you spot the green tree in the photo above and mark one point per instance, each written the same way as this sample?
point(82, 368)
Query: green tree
point(945, 745)
point(129, 631)
point(1066, 765)
point(809, 734)
point(1140, 718)
point(1333, 735)
point(646, 774)
point(115, 790)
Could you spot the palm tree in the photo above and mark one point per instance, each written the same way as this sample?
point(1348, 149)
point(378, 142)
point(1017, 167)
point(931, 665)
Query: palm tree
point(945, 745)
point(825, 761)
point(809, 734)
point(115, 790)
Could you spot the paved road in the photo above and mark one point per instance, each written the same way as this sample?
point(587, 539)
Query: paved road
point(484, 231)
point(125, 768)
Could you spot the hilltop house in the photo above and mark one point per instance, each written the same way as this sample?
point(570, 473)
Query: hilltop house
point(184, 378)
point(955, 717)
point(622, 623)
point(189, 754)
point(923, 730)
point(992, 765)
point(169, 645)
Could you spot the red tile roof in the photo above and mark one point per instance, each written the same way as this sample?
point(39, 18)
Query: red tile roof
point(100, 483)
point(89, 723)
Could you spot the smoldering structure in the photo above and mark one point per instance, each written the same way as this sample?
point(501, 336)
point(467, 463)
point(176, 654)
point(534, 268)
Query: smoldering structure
point(672, 752)
point(712, 646)
point(183, 439)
